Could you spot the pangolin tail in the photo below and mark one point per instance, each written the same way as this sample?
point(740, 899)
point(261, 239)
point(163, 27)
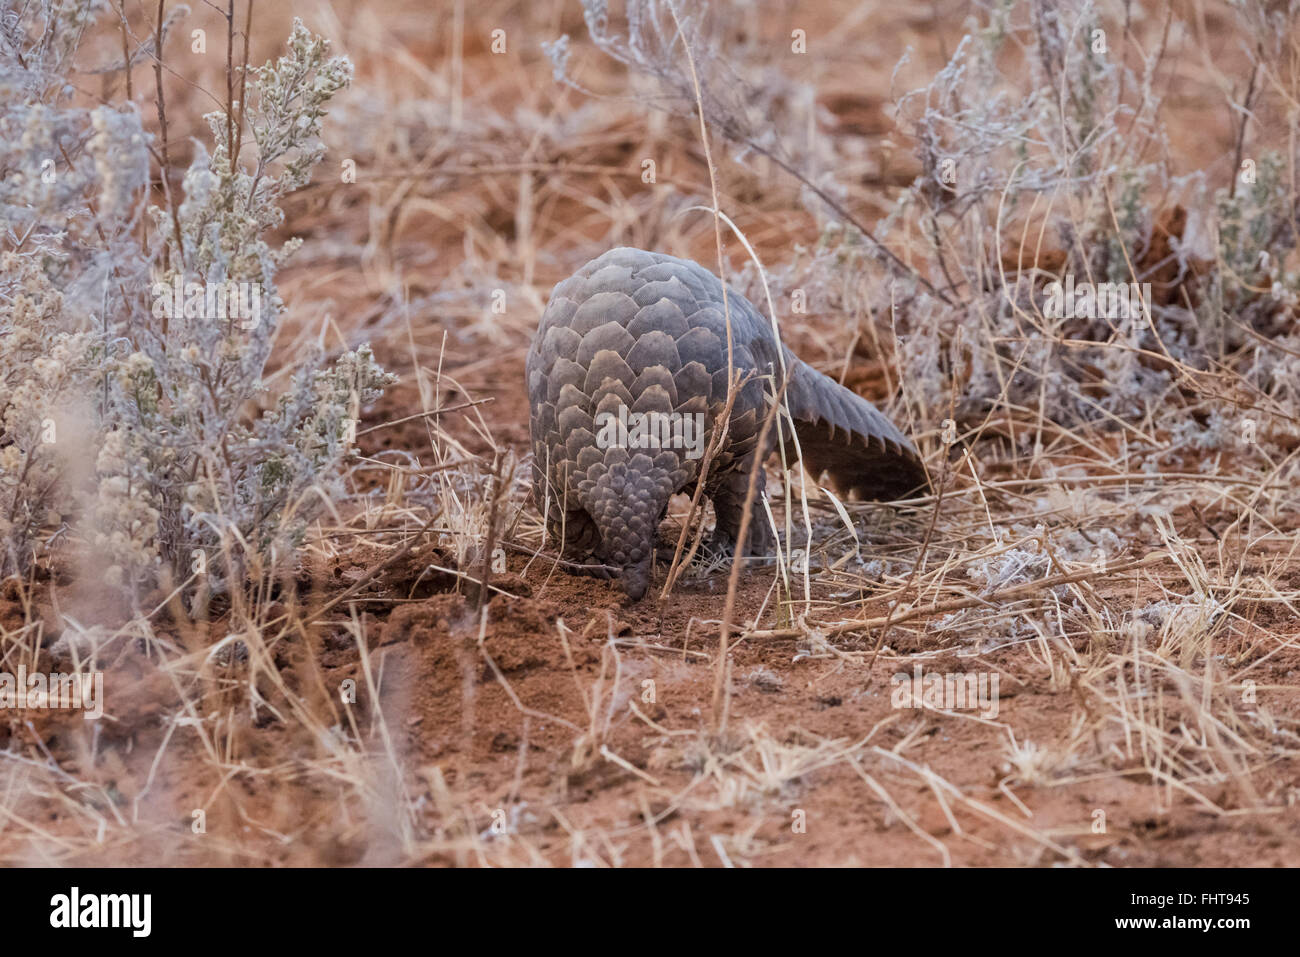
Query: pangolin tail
point(846, 437)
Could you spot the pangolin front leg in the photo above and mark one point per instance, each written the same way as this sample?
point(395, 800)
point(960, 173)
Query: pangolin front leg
point(728, 495)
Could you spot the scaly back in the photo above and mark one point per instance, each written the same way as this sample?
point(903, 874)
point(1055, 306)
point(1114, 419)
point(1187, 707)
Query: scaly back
point(648, 333)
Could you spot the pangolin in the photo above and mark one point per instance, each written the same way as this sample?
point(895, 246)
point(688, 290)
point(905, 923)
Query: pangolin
point(644, 332)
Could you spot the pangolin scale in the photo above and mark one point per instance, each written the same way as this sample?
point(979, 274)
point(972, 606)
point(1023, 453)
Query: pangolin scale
point(648, 332)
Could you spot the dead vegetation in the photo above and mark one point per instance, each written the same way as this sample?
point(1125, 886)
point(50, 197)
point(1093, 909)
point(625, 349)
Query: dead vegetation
point(1113, 532)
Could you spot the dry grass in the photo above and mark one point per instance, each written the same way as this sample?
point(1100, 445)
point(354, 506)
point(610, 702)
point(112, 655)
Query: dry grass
point(1135, 594)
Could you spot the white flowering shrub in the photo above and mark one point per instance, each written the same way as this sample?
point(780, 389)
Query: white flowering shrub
point(59, 166)
point(1056, 167)
point(1025, 180)
point(160, 334)
point(44, 372)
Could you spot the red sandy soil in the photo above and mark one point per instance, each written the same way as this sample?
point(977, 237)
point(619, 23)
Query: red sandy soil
point(494, 721)
point(497, 723)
